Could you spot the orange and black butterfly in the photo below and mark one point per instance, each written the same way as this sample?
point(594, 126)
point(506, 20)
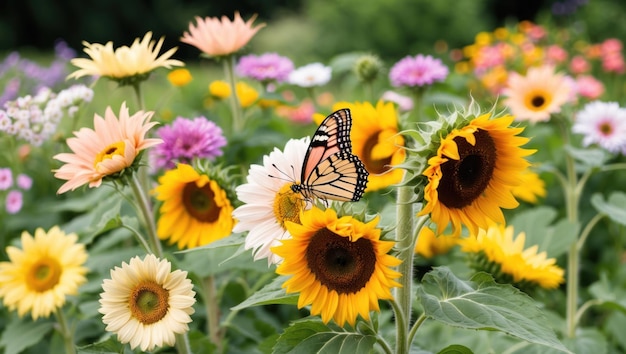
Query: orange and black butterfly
point(330, 170)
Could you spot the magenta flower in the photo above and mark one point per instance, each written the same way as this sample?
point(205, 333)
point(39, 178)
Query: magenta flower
point(14, 202)
point(185, 139)
point(24, 182)
point(6, 178)
point(266, 67)
point(417, 71)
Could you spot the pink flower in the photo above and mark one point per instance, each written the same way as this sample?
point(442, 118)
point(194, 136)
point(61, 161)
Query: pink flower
point(556, 54)
point(579, 65)
point(300, 114)
point(6, 178)
point(24, 182)
point(589, 87)
point(404, 103)
point(415, 71)
point(14, 202)
point(219, 38)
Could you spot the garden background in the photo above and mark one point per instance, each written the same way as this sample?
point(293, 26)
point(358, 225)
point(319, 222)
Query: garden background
point(335, 33)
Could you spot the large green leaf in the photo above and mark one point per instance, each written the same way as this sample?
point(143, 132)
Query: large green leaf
point(21, 334)
point(272, 293)
point(537, 224)
point(312, 336)
point(592, 157)
point(107, 346)
point(614, 207)
point(481, 303)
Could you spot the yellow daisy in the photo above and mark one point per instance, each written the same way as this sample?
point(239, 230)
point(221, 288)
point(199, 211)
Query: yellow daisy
point(471, 176)
point(531, 188)
point(429, 245)
point(146, 303)
point(219, 89)
point(537, 95)
point(339, 265)
point(39, 276)
point(195, 210)
point(179, 77)
point(125, 64)
point(505, 256)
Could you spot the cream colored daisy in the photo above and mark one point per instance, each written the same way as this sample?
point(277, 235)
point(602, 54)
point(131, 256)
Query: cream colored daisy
point(146, 304)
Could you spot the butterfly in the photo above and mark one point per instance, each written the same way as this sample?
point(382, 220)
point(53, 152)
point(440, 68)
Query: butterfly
point(330, 170)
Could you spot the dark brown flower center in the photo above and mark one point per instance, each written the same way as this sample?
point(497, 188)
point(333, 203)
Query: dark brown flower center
point(538, 101)
point(464, 180)
point(148, 302)
point(340, 264)
point(372, 165)
point(606, 128)
point(200, 202)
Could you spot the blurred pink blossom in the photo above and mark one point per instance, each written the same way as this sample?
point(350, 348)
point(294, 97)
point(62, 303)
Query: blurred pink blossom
point(579, 65)
point(589, 87)
point(14, 202)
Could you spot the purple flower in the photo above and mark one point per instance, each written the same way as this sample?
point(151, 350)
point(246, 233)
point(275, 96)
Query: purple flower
point(186, 139)
point(14, 202)
point(24, 182)
point(6, 178)
point(417, 71)
point(266, 67)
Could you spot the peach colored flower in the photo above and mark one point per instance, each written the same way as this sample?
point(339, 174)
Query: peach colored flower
point(140, 58)
point(219, 38)
point(110, 147)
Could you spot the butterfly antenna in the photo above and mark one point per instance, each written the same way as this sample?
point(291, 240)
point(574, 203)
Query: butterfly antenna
point(286, 176)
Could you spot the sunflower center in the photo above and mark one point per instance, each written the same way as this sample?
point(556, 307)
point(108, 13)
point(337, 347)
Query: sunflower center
point(44, 274)
point(340, 264)
point(375, 166)
point(538, 101)
point(148, 302)
point(287, 205)
point(200, 202)
point(110, 151)
point(464, 180)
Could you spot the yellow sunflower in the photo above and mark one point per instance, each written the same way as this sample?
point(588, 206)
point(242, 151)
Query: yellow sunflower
point(537, 95)
point(339, 265)
point(497, 251)
point(532, 187)
point(195, 210)
point(429, 245)
point(375, 140)
point(471, 176)
point(41, 274)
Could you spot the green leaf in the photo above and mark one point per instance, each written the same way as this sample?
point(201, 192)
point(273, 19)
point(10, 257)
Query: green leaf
point(108, 346)
point(592, 157)
point(610, 296)
point(587, 340)
point(232, 240)
point(456, 349)
point(614, 207)
point(480, 303)
point(272, 293)
point(537, 224)
point(21, 334)
point(312, 336)
point(212, 261)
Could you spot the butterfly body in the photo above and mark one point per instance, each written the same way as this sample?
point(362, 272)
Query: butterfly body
point(330, 170)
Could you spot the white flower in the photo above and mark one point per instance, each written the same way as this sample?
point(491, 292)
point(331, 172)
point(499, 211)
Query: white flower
point(269, 201)
point(604, 124)
point(146, 304)
point(315, 74)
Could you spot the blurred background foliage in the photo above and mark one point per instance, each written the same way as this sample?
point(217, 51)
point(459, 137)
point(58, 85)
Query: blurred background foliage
point(306, 29)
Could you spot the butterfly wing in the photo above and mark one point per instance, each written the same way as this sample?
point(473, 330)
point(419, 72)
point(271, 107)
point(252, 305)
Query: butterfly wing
point(330, 170)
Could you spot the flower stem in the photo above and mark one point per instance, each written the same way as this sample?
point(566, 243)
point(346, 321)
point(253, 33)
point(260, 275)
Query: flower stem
point(404, 240)
point(212, 311)
point(235, 107)
point(66, 331)
point(138, 95)
point(146, 210)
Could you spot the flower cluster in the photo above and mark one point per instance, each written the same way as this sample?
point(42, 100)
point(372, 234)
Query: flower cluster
point(14, 198)
point(34, 119)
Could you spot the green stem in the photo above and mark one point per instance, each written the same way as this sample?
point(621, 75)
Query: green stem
point(66, 332)
point(146, 210)
point(212, 311)
point(415, 327)
point(401, 326)
point(586, 307)
point(383, 344)
point(235, 106)
point(137, 89)
point(182, 344)
point(583, 235)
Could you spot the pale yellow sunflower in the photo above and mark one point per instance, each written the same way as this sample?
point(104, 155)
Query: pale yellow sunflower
point(375, 140)
point(537, 95)
point(146, 303)
point(39, 276)
point(195, 210)
point(124, 64)
point(472, 175)
point(105, 151)
point(339, 265)
point(509, 261)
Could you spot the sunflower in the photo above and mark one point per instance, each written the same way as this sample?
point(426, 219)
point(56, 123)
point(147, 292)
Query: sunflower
point(429, 245)
point(339, 265)
point(497, 251)
point(41, 274)
point(124, 65)
point(105, 151)
point(195, 210)
point(531, 188)
point(269, 201)
point(537, 95)
point(146, 303)
point(471, 176)
point(375, 140)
